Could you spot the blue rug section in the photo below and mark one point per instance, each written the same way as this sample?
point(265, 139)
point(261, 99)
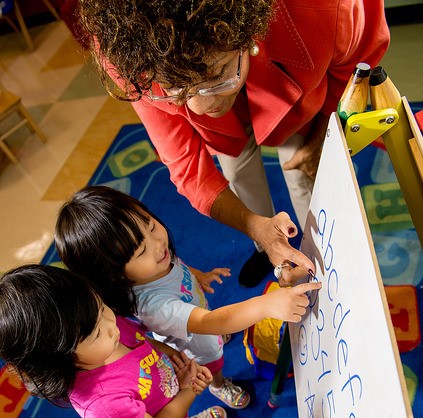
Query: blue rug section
point(132, 166)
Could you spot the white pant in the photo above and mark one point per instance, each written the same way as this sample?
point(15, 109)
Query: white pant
point(248, 179)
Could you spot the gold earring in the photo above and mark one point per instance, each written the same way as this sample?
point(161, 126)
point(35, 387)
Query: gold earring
point(254, 49)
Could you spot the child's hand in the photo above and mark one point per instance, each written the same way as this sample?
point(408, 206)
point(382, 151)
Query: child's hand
point(190, 374)
point(289, 304)
point(202, 380)
point(185, 370)
point(211, 276)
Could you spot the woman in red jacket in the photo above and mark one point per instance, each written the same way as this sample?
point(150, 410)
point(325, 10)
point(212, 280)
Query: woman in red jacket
point(218, 77)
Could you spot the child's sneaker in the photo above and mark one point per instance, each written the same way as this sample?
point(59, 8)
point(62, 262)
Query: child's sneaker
point(231, 395)
point(213, 412)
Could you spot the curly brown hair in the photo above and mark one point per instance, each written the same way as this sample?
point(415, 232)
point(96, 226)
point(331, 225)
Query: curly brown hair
point(169, 40)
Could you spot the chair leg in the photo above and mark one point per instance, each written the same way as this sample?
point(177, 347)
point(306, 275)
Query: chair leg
point(31, 124)
point(52, 9)
point(24, 29)
point(8, 152)
point(11, 23)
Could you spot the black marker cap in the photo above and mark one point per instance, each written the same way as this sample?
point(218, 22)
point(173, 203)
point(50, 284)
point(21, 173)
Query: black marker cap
point(377, 76)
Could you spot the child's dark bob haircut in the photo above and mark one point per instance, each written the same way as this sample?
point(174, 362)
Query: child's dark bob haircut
point(45, 312)
point(96, 235)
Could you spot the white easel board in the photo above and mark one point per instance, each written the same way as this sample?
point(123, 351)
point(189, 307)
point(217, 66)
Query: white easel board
point(346, 359)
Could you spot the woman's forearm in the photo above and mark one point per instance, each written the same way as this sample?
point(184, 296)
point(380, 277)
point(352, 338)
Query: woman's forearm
point(271, 233)
point(229, 210)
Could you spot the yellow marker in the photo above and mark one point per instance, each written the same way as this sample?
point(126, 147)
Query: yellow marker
point(354, 98)
point(384, 94)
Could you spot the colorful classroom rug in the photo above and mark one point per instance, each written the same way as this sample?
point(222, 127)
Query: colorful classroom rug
point(132, 166)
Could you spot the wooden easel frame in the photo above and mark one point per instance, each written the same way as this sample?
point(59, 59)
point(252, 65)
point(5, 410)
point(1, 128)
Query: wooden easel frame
point(405, 153)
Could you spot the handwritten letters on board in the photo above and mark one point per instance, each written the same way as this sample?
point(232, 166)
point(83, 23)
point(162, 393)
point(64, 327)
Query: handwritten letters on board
point(346, 362)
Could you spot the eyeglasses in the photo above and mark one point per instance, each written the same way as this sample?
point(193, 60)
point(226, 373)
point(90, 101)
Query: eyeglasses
point(176, 97)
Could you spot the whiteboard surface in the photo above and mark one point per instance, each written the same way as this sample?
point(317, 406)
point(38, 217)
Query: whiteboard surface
point(346, 362)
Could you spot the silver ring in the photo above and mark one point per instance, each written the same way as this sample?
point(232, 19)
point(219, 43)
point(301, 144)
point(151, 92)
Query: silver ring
point(278, 269)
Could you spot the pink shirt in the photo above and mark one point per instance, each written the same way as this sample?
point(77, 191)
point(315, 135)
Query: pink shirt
point(139, 382)
point(303, 66)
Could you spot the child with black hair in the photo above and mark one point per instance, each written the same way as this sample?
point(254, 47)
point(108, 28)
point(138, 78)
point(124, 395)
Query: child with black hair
point(67, 345)
point(114, 239)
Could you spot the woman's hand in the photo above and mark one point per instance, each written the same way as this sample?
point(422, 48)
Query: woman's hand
point(307, 157)
point(273, 234)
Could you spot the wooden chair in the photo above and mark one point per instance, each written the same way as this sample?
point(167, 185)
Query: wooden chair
point(9, 104)
point(13, 6)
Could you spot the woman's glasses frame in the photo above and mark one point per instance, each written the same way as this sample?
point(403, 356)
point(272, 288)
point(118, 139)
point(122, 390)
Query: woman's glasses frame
point(227, 85)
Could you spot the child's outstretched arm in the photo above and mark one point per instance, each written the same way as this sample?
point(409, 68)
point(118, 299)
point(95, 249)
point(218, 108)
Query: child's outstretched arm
point(206, 278)
point(287, 304)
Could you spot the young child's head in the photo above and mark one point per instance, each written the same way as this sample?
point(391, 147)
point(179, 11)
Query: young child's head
point(98, 232)
point(45, 313)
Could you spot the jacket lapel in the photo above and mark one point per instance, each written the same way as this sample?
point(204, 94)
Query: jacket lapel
point(272, 92)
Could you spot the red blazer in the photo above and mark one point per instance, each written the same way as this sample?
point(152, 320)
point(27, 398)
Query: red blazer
point(303, 66)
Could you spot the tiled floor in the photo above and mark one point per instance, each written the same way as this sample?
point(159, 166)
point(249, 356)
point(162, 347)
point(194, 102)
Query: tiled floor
point(59, 87)
point(61, 90)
